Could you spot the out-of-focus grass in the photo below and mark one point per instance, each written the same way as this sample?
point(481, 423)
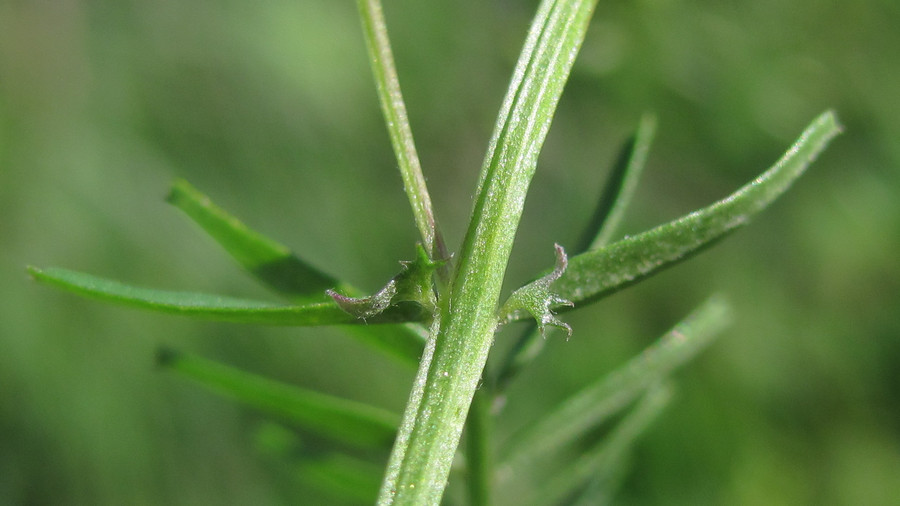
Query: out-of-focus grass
point(269, 108)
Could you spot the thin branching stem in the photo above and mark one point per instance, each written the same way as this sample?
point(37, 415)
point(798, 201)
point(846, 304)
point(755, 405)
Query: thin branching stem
point(394, 109)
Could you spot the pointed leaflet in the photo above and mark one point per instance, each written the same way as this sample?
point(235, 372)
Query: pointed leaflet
point(214, 307)
point(536, 298)
point(595, 274)
point(366, 307)
point(412, 285)
point(337, 419)
point(591, 406)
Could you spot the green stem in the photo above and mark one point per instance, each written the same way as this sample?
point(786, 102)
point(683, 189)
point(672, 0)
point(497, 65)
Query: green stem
point(447, 380)
point(382, 60)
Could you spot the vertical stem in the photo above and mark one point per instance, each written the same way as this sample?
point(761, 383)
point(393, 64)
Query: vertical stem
point(447, 379)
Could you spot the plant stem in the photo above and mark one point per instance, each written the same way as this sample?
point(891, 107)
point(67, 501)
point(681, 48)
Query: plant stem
point(392, 105)
point(432, 424)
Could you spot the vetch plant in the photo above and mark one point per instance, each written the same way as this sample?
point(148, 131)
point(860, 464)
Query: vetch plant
point(443, 308)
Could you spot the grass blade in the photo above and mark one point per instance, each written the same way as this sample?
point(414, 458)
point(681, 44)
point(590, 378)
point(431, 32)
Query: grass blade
point(337, 419)
point(596, 403)
point(394, 109)
point(267, 260)
point(214, 307)
point(595, 274)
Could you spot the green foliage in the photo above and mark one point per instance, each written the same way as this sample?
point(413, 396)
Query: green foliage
point(596, 403)
point(193, 304)
point(631, 259)
point(337, 419)
point(446, 309)
point(270, 262)
point(591, 478)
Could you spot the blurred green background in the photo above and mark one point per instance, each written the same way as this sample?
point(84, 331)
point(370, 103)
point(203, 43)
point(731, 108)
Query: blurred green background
point(269, 108)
